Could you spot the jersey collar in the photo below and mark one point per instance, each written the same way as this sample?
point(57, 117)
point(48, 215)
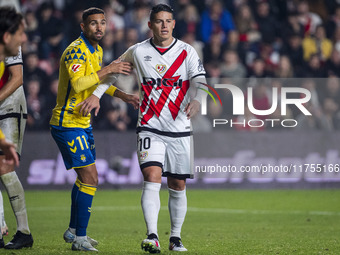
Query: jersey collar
point(88, 44)
point(153, 45)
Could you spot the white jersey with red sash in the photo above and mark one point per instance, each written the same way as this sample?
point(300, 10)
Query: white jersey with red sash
point(164, 78)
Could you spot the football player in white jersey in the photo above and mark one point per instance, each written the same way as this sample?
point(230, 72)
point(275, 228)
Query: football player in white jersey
point(13, 116)
point(166, 68)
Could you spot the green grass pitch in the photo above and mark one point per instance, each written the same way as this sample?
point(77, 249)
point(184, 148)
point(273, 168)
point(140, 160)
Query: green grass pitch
point(218, 222)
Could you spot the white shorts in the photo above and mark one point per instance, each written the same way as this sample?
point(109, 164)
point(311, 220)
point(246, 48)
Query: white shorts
point(13, 115)
point(173, 154)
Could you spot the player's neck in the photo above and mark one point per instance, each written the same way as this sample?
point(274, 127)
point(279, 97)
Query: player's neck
point(165, 43)
point(93, 43)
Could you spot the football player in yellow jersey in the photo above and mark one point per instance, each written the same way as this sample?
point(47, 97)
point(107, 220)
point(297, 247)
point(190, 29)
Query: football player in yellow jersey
point(12, 35)
point(79, 74)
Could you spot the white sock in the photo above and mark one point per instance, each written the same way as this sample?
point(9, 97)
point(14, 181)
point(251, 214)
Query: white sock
point(178, 209)
point(16, 196)
point(150, 205)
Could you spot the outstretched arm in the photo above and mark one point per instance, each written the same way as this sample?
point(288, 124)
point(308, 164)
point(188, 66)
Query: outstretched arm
point(92, 102)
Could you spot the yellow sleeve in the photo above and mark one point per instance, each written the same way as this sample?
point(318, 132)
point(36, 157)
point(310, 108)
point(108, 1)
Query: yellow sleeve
point(76, 67)
point(2, 136)
point(111, 90)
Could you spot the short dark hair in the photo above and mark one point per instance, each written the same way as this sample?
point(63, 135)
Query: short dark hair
point(10, 21)
point(160, 8)
point(91, 11)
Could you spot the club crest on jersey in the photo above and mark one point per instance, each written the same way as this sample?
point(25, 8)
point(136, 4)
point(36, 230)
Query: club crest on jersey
point(160, 68)
point(75, 67)
point(143, 155)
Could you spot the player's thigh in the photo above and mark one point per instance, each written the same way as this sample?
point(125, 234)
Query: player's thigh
point(178, 159)
point(76, 146)
point(13, 115)
point(151, 152)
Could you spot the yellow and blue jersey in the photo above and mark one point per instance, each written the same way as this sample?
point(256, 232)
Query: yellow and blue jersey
point(79, 65)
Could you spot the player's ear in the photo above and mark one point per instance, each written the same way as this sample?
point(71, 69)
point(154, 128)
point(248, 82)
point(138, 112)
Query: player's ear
point(7, 37)
point(149, 24)
point(82, 25)
point(174, 23)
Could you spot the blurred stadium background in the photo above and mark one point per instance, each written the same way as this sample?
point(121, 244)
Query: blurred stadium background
point(238, 41)
point(235, 39)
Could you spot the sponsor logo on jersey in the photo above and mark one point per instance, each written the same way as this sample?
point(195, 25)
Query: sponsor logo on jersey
point(143, 155)
point(160, 68)
point(165, 82)
point(75, 67)
point(147, 58)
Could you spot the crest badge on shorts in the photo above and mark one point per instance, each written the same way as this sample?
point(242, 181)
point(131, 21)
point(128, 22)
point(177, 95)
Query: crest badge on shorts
point(143, 155)
point(83, 158)
point(160, 68)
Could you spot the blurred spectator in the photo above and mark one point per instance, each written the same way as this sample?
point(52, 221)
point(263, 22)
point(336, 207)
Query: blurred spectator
point(291, 26)
point(138, 18)
point(114, 23)
point(331, 115)
point(73, 27)
point(32, 32)
point(285, 68)
point(317, 44)
point(131, 38)
point(246, 25)
point(33, 71)
point(190, 38)
point(314, 68)
point(188, 21)
point(308, 19)
point(36, 117)
point(270, 57)
point(294, 51)
point(258, 69)
point(108, 49)
point(113, 115)
point(213, 72)
point(333, 23)
point(330, 90)
point(213, 50)
point(31, 5)
point(216, 20)
point(51, 95)
point(333, 64)
point(51, 31)
point(268, 25)
point(231, 66)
